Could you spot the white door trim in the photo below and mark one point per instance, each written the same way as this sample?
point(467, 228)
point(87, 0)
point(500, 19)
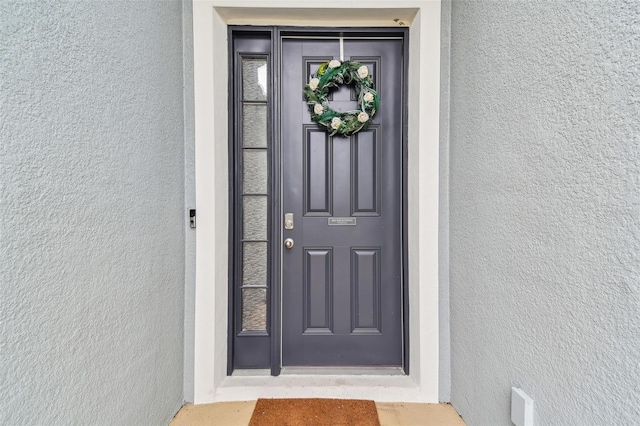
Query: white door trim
point(210, 20)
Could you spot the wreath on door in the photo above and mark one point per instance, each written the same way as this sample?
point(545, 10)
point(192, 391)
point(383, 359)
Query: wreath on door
point(331, 75)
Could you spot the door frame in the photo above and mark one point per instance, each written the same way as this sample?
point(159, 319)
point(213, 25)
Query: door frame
point(275, 308)
point(206, 364)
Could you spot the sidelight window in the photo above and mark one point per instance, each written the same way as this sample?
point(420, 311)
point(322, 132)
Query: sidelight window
point(254, 194)
point(250, 146)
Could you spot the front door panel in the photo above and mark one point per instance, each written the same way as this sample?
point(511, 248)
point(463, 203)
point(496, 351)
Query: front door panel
point(342, 279)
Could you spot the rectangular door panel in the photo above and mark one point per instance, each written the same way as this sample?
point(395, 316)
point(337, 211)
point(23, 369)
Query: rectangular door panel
point(366, 173)
point(365, 282)
point(318, 291)
point(318, 179)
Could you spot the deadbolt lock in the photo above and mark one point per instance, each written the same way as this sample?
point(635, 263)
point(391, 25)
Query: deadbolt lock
point(288, 221)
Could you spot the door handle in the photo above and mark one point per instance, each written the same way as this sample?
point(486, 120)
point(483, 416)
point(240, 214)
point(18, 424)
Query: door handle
point(288, 243)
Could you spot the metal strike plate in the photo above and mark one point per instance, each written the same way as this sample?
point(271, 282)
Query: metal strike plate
point(288, 221)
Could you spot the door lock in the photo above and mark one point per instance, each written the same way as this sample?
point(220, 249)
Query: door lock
point(288, 243)
point(288, 221)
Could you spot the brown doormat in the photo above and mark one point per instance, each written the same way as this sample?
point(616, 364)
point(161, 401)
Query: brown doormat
point(314, 412)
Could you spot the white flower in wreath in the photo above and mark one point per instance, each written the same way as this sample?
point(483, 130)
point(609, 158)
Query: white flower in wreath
point(313, 83)
point(363, 71)
point(368, 97)
point(335, 123)
point(363, 117)
point(334, 63)
point(318, 109)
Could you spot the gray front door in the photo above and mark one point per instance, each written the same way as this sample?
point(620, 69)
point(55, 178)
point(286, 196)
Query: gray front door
point(342, 279)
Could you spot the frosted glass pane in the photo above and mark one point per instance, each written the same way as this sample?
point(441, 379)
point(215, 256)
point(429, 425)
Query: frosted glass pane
point(254, 264)
point(255, 217)
point(254, 309)
point(254, 124)
point(254, 79)
point(254, 176)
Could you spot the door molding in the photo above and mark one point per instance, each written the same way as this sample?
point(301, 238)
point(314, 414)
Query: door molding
point(207, 370)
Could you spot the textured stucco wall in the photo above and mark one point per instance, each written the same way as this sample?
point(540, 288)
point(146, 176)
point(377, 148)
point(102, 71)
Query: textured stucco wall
point(545, 210)
point(91, 212)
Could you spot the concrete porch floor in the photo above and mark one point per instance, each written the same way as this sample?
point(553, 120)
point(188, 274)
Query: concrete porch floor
point(390, 414)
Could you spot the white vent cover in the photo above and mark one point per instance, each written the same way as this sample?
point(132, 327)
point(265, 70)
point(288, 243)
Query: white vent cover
point(521, 408)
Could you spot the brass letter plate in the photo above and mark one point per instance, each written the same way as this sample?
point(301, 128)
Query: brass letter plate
point(341, 221)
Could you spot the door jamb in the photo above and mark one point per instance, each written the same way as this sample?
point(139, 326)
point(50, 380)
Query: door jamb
point(274, 166)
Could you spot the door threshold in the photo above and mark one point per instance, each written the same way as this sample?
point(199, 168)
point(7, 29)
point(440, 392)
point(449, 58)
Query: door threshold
point(251, 372)
point(343, 371)
point(387, 388)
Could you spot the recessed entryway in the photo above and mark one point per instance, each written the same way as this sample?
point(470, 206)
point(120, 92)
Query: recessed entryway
point(209, 373)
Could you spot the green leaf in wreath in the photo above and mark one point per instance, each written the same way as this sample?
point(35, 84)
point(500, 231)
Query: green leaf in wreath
point(322, 68)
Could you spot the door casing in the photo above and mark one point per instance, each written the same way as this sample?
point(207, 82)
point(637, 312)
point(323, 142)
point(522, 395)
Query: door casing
point(207, 290)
